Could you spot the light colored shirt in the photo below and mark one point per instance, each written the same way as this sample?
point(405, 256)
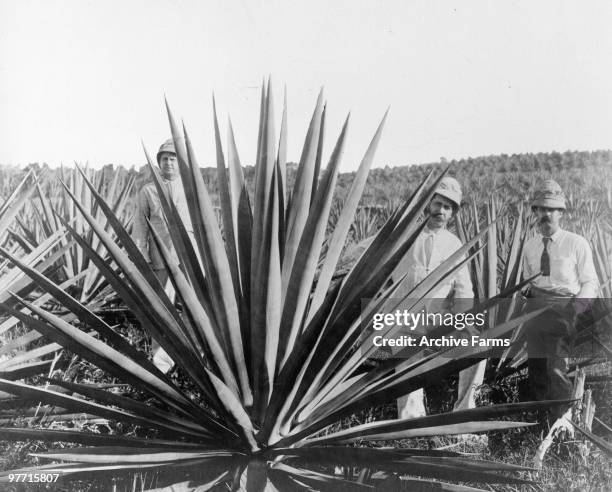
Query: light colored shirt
point(149, 207)
point(431, 248)
point(572, 271)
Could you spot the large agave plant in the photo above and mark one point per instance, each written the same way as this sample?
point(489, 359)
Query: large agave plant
point(269, 359)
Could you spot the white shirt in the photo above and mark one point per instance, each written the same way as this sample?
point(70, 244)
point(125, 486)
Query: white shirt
point(416, 265)
point(572, 270)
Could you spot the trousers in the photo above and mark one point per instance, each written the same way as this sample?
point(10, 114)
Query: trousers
point(412, 405)
point(549, 338)
point(161, 359)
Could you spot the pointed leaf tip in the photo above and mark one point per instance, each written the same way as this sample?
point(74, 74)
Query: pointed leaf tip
point(168, 110)
point(186, 136)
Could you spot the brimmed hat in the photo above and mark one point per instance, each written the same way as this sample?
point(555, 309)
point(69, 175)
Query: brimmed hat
point(549, 194)
point(167, 146)
point(451, 189)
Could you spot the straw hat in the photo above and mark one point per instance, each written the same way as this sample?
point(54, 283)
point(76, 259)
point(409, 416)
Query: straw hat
point(167, 146)
point(549, 194)
point(451, 189)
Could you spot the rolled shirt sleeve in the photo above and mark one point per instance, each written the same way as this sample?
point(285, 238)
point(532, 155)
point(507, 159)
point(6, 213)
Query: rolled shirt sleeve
point(527, 270)
point(462, 291)
point(463, 284)
point(587, 275)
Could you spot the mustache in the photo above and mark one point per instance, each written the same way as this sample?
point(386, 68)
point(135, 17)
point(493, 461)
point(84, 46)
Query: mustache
point(544, 219)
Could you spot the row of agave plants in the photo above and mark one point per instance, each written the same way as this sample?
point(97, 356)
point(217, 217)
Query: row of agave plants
point(268, 342)
point(39, 239)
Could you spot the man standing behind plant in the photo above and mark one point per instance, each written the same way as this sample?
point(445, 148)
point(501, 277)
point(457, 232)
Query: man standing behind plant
point(433, 246)
point(149, 208)
point(567, 285)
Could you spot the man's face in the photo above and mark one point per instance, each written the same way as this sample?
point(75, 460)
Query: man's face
point(548, 219)
point(168, 165)
point(440, 211)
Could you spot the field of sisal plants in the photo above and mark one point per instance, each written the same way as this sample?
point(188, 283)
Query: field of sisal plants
point(53, 207)
point(39, 241)
point(41, 257)
point(269, 348)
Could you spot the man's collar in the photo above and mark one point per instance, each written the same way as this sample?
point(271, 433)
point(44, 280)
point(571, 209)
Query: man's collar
point(429, 231)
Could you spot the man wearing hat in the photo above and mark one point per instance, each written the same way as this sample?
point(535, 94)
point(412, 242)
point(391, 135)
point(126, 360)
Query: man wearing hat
point(567, 285)
point(431, 248)
point(149, 208)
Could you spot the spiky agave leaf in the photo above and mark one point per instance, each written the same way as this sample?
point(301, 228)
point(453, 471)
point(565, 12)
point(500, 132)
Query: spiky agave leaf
point(272, 361)
point(602, 444)
point(52, 249)
point(18, 359)
point(54, 202)
point(16, 200)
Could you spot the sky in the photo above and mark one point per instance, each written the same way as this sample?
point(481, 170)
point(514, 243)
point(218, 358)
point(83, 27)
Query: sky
point(85, 80)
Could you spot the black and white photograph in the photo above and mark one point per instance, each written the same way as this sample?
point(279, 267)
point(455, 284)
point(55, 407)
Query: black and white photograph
point(305, 245)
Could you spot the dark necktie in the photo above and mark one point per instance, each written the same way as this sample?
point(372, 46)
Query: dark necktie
point(545, 260)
